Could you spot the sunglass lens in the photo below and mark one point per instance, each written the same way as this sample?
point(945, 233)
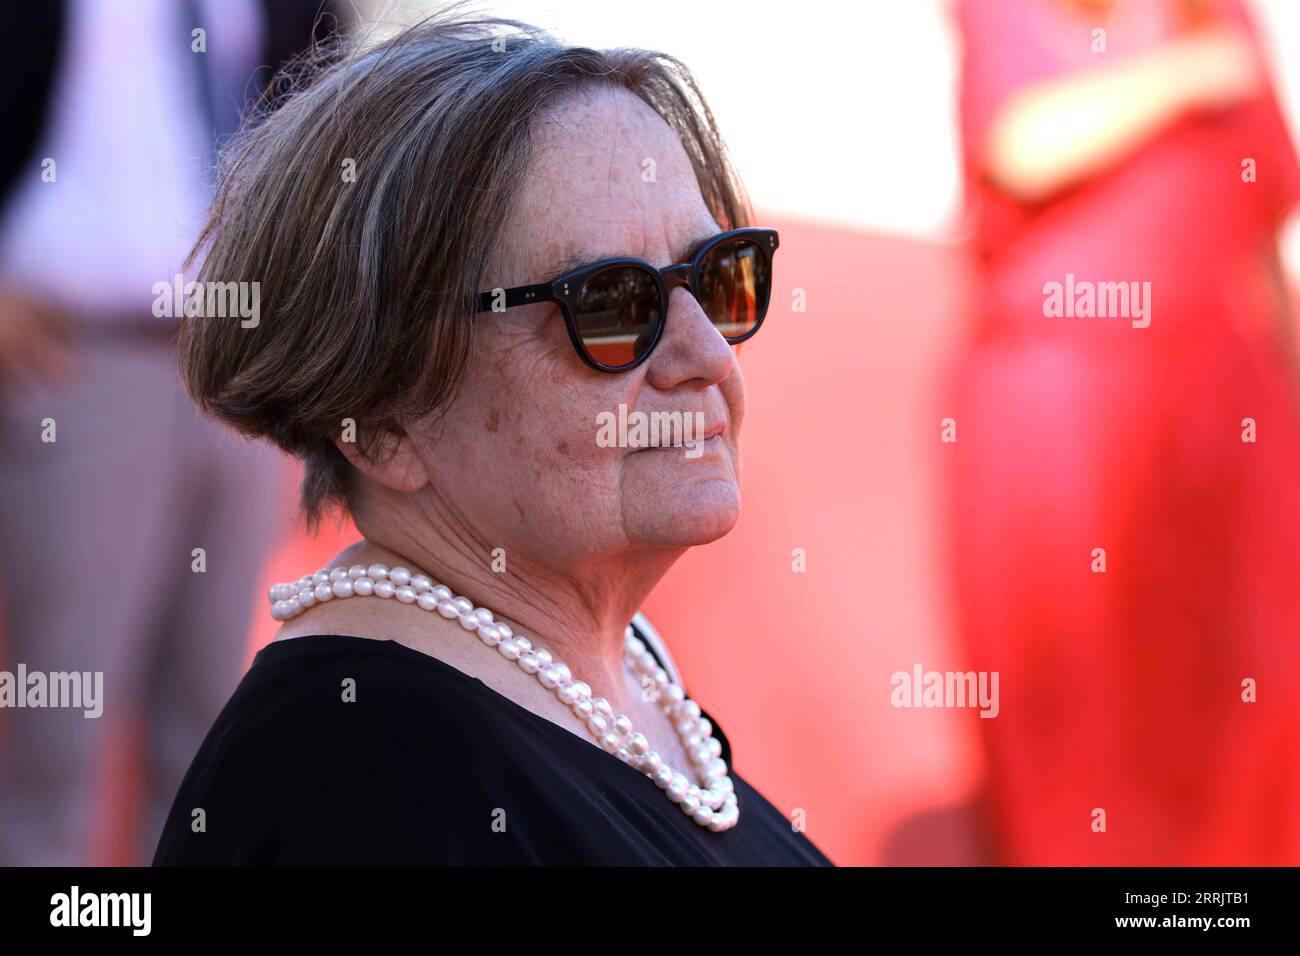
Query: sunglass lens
point(617, 314)
point(733, 287)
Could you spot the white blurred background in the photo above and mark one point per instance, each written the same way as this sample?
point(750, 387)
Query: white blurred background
point(838, 81)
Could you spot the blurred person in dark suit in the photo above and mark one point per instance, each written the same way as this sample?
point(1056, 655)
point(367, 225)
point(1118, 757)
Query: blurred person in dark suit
point(113, 111)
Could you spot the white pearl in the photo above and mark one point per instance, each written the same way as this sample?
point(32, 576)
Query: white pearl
point(712, 804)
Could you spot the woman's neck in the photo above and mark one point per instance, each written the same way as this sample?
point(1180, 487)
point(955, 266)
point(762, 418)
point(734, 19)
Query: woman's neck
point(580, 615)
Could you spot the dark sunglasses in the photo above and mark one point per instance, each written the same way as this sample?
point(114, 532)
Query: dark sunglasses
point(615, 309)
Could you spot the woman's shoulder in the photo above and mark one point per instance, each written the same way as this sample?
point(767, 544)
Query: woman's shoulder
point(349, 701)
point(321, 738)
point(336, 682)
point(347, 750)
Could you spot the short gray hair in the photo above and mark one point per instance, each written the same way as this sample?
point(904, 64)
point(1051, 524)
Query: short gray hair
point(367, 287)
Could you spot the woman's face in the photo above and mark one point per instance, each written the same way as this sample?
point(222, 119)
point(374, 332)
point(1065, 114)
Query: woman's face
point(517, 458)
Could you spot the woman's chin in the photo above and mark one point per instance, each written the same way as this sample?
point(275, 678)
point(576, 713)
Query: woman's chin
point(689, 514)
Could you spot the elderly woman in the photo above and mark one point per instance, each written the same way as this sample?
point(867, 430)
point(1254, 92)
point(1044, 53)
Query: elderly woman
point(473, 244)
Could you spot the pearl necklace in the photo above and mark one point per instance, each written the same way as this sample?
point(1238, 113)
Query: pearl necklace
point(713, 805)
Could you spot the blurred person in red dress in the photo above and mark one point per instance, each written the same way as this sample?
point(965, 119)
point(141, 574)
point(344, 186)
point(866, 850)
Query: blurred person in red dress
point(1126, 487)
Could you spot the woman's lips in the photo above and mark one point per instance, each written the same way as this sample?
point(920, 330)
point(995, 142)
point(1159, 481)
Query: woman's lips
point(709, 438)
point(693, 448)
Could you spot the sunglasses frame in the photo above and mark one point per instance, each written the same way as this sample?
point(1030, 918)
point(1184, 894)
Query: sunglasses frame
point(566, 289)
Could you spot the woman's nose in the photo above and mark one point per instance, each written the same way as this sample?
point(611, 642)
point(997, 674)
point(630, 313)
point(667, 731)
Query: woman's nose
point(691, 348)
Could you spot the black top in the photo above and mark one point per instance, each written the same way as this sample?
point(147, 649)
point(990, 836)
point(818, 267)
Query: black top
point(430, 766)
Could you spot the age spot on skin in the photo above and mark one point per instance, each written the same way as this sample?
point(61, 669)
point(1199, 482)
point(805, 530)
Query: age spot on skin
point(493, 419)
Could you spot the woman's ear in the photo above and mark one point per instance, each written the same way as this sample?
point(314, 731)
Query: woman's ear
point(389, 458)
